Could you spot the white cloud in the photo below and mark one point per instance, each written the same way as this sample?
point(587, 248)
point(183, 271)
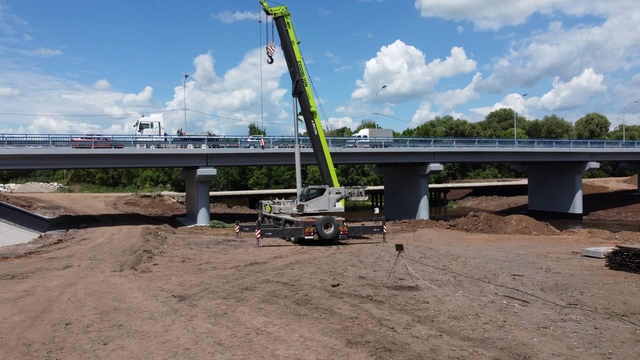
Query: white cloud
point(142, 98)
point(101, 85)
point(340, 122)
point(227, 104)
point(343, 68)
point(46, 100)
point(577, 92)
point(566, 52)
point(423, 114)
point(508, 102)
point(9, 23)
point(229, 17)
point(404, 70)
point(364, 35)
point(323, 12)
point(87, 100)
point(450, 99)
point(8, 92)
point(495, 14)
point(47, 125)
point(45, 52)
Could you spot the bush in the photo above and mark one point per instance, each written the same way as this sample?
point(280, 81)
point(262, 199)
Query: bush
point(217, 224)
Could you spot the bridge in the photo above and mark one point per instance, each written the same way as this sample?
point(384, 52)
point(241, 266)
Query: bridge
point(554, 167)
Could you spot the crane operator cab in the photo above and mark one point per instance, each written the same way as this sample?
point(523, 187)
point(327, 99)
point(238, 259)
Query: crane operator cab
point(320, 198)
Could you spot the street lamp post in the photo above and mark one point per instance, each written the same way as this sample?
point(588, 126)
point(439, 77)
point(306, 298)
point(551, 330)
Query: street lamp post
point(515, 117)
point(383, 87)
point(184, 96)
point(624, 135)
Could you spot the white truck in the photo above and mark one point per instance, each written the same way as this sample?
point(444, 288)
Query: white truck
point(149, 126)
point(150, 133)
point(371, 138)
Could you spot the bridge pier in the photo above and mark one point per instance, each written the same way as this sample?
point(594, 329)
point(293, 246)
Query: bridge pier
point(197, 195)
point(406, 190)
point(377, 199)
point(556, 188)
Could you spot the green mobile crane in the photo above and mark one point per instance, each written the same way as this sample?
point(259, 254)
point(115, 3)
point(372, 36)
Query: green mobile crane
point(301, 90)
point(306, 217)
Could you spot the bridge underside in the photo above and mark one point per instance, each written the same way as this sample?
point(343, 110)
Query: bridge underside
point(552, 188)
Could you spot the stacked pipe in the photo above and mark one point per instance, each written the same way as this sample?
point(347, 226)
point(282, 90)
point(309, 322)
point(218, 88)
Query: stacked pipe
point(624, 258)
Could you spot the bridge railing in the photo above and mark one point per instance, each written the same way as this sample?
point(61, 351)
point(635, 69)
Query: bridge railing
point(95, 141)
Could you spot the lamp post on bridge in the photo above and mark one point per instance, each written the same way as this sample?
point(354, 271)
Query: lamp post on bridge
point(624, 135)
point(515, 117)
point(184, 96)
point(383, 87)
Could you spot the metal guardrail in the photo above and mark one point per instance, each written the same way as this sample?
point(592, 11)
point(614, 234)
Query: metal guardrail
point(205, 141)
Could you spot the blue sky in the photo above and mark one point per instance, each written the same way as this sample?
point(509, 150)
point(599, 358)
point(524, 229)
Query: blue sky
point(78, 66)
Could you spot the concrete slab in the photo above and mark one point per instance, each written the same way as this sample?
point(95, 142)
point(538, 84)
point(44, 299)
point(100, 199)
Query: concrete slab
point(597, 252)
point(19, 226)
point(11, 234)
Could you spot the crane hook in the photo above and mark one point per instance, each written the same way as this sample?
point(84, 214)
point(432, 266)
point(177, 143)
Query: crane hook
point(271, 49)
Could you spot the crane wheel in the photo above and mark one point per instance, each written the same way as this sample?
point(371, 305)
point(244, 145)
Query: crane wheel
point(327, 228)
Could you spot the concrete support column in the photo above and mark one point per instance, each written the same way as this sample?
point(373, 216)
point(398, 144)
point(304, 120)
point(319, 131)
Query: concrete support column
point(197, 195)
point(556, 188)
point(406, 190)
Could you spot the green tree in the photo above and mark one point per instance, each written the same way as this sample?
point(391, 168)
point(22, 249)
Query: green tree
point(367, 124)
point(592, 126)
point(341, 132)
point(631, 132)
point(311, 175)
point(550, 127)
point(255, 130)
point(423, 130)
point(499, 124)
point(232, 178)
point(360, 175)
point(445, 126)
point(272, 177)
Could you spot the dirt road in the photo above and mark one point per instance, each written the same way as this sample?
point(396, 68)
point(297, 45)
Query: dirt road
point(127, 282)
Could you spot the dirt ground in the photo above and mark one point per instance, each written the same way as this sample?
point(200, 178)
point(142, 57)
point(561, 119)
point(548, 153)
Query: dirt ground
point(120, 278)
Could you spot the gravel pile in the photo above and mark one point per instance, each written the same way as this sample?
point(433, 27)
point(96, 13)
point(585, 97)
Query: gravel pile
point(30, 187)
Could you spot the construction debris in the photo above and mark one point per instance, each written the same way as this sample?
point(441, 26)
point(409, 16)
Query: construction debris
point(624, 258)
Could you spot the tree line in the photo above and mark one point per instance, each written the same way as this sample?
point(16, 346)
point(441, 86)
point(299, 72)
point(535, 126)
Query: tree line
point(497, 124)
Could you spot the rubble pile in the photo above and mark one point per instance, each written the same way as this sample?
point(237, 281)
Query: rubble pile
point(30, 187)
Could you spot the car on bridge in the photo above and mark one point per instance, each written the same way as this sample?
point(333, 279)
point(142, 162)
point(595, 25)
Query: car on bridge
point(94, 141)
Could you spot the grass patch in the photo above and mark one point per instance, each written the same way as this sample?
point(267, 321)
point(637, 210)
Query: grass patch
point(100, 189)
point(217, 224)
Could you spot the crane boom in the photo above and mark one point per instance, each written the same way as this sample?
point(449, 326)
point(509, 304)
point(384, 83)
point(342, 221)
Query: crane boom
point(301, 89)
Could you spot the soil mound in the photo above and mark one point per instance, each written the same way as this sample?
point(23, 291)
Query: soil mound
point(404, 226)
point(633, 180)
point(148, 204)
point(480, 222)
